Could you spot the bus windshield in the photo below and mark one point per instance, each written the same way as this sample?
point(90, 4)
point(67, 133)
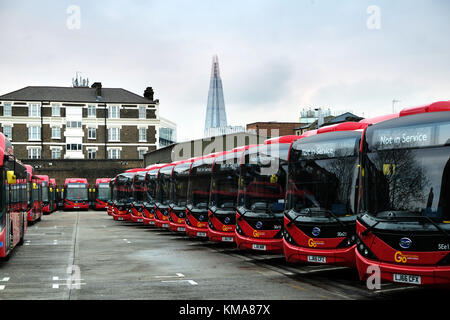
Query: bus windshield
point(76, 191)
point(103, 191)
point(323, 174)
point(409, 172)
point(199, 184)
point(262, 179)
point(163, 189)
point(45, 191)
point(179, 189)
point(224, 186)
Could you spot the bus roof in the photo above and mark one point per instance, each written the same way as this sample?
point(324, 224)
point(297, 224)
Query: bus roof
point(43, 177)
point(282, 139)
point(102, 180)
point(432, 107)
point(75, 180)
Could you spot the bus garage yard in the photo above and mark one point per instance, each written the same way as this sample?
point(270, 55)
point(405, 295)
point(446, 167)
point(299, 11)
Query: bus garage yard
point(86, 255)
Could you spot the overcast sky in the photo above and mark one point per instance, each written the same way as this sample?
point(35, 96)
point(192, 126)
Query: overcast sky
point(276, 57)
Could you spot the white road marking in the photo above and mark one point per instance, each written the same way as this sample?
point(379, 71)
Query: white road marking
point(5, 279)
point(2, 287)
point(55, 278)
point(55, 286)
point(192, 282)
point(179, 275)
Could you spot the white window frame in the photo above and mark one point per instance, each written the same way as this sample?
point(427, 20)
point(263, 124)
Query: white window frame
point(34, 152)
point(59, 133)
point(143, 150)
point(90, 108)
point(9, 104)
point(34, 110)
point(56, 110)
point(115, 152)
point(89, 131)
point(142, 138)
point(91, 151)
point(114, 114)
point(34, 136)
point(116, 136)
point(9, 128)
point(56, 150)
point(78, 124)
point(142, 112)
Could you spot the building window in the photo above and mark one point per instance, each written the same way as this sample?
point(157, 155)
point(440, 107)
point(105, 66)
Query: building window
point(56, 153)
point(56, 133)
point(114, 154)
point(73, 147)
point(142, 134)
point(73, 124)
point(34, 133)
point(114, 112)
point(56, 110)
point(92, 133)
point(92, 154)
point(92, 111)
point(7, 112)
point(34, 110)
point(141, 153)
point(7, 131)
point(34, 153)
point(142, 112)
point(114, 134)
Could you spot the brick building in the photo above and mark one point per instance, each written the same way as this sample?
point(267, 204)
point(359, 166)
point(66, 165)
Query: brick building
point(273, 128)
point(80, 122)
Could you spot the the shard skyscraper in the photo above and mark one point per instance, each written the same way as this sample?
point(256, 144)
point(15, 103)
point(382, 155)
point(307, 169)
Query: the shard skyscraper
point(216, 116)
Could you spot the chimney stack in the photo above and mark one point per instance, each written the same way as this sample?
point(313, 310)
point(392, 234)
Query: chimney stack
point(98, 88)
point(148, 93)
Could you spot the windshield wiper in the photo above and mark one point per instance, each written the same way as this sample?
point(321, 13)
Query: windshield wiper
point(309, 212)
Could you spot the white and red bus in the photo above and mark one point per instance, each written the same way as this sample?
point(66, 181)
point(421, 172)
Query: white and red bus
point(199, 187)
point(139, 190)
point(151, 182)
point(34, 192)
point(76, 193)
point(261, 196)
point(403, 226)
point(322, 195)
point(122, 196)
point(13, 202)
point(102, 193)
point(48, 194)
point(223, 195)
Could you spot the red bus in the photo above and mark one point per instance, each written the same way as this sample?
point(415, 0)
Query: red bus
point(404, 223)
point(122, 196)
point(223, 196)
point(161, 218)
point(178, 196)
point(13, 204)
point(139, 190)
point(76, 193)
point(34, 210)
point(198, 196)
point(52, 192)
point(110, 201)
point(260, 205)
point(102, 193)
point(48, 194)
point(149, 209)
point(322, 195)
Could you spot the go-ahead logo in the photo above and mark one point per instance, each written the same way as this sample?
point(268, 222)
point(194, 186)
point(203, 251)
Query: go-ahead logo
point(403, 258)
point(313, 243)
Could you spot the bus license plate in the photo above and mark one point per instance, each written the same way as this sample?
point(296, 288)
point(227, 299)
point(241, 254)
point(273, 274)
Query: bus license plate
point(151, 222)
point(259, 246)
point(227, 239)
point(181, 229)
point(317, 259)
point(165, 225)
point(201, 234)
point(407, 278)
point(120, 218)
point(139, 220)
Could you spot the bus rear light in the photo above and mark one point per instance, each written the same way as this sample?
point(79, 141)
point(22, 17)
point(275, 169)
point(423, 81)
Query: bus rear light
point(287, 236)
point(364, 250)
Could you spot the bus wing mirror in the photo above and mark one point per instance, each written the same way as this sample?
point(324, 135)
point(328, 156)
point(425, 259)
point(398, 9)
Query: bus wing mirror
point(11, 177)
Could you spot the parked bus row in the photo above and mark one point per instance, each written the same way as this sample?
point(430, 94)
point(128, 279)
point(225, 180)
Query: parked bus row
point(24, 198)
point(365, 195)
